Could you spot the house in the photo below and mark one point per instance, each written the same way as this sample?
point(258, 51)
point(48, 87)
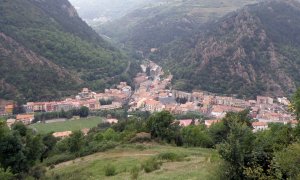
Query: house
point(112, 121)
point(294, 123)
point(35, 107)
point(259, 126)
point(85, 131)
point(198, 96)
point(223, 100)
point(85, 94)
point(153, 105)
point(8, 109)
point(187, 122)
point(219, 111)
point(283, 101)
point(153, 50)
point(264, 100)
point(273, 117)
point(25, 118)
point(208, 123)
point(62, 134)
point(10, 122)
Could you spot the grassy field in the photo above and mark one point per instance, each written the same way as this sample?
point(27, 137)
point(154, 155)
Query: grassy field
point(198, 164)
point(69, 125)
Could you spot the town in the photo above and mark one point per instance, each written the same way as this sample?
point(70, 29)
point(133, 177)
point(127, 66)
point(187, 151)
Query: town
point(153, 93)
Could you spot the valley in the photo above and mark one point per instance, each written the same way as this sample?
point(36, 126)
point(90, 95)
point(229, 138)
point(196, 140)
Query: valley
point(149, 89)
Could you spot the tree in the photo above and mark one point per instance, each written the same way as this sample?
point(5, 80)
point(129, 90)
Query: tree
point(296, 104)
point(6, 174)
point(240, 117)
point(196, 136)
point(110, 135)
point(236, 149)
point(84, 111)
point(49, 141)
point(218, 132)
point(289, 161)
point(12, 154)
point(161, 125)
point(18, 108)
point(75, 141)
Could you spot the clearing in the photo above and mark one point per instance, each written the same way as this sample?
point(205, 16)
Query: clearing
point(68, 125)
point(199, 163)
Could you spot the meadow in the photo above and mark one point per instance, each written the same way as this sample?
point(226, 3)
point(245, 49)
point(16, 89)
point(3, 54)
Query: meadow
point(198, 163)
point(68, 125)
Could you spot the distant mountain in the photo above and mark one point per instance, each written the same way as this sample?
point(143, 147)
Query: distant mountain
point(253, 51)
point(101, 11)
point(160, 23)
point(48, 52)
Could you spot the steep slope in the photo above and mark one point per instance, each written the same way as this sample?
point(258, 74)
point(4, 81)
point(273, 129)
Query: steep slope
point(250, 52)
point(54, 34)
point(25, 74)
point(160, 23)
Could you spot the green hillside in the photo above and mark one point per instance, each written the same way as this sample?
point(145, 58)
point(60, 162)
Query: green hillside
point(198, 163)
point(161, 23)
point(249, 52)
point(54, 33)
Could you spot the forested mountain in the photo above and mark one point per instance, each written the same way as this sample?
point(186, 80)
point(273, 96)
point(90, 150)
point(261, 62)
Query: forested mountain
point(249, 52)
point(47, 51)
point(152, 26)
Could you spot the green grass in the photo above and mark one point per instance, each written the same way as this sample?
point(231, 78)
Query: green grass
point(198, 164)
point(69, 125)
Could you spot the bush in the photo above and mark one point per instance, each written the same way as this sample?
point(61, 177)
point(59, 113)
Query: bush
point(169, 156)
point(151, 164)
point(6, 175)
point(110, 170)
point(56, 159)
point(141, 137)
point(134, 172)
point(38, 172)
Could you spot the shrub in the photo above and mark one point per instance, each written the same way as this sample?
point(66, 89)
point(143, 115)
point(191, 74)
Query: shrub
point(141, 137)
point(169, 156)
point(151, 164)
point(6, 175)
point(56, 159)
point(110, 170)
point(134, 172)
point(38, 172)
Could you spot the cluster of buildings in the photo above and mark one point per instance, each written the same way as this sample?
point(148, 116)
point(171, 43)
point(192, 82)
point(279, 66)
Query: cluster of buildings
point(153, 94)
point(86, 98)
point(114, 98)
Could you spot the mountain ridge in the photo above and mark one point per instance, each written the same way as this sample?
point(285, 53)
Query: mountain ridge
point(242, 54)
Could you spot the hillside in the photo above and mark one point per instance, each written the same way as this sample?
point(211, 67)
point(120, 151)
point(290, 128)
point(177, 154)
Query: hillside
point(49, 52)
point(160, 23)
point(250, 52)
point(198, 162)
